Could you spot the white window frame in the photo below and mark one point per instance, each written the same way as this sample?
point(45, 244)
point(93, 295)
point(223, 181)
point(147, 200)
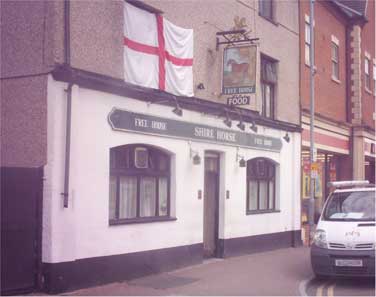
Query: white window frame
point(335, 42)
point(307, 40)
point(367, 72)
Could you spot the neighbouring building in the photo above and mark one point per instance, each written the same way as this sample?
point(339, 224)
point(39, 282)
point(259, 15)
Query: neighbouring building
point(108, 180)
point(344, 132)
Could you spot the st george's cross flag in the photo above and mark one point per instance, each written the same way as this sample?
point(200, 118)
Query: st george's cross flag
point(157, 53)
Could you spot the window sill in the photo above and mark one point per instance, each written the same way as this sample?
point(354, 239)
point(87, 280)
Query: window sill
point(253, 212)
point(368, 90)
point(269, 20)
point(336, 80)
point(141, 220)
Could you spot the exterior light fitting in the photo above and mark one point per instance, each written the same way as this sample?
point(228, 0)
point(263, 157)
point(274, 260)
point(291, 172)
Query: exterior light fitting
point(227, 121)
point(241, 125)
point(177, 110)
point(254, 127)
point(286, 137)
point(240, 159)
point(196, 159)
point(200, 86)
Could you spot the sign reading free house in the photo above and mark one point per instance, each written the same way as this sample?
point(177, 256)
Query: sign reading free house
point(124, 120)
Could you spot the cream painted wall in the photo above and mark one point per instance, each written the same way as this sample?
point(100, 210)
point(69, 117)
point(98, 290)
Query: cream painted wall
point(82, 230)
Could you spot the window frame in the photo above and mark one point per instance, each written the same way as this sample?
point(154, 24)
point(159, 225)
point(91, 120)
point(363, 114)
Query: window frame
point(259, 179)
point(307, 41)
point(262, 13)
point(335, 61)
point(367, 74)
point(265, 83)
point(139, 173)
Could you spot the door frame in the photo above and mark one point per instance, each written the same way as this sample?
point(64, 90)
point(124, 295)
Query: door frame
point(217, 155)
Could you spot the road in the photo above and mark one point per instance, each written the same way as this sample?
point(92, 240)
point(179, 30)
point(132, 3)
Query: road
point(284, 272)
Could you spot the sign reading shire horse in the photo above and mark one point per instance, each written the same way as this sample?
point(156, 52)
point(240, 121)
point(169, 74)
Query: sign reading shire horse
point(239, 70)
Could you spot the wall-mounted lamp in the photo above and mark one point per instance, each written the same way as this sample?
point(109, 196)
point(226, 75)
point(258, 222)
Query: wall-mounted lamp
point(200, 86)
point(253, 127)
point(240, 159)
point(196, 159)
point(177, 110)
point(286, 137)
point(241, 125)
point(227, 120)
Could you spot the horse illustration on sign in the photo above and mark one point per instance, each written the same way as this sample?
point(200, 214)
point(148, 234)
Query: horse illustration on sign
point(239, 70)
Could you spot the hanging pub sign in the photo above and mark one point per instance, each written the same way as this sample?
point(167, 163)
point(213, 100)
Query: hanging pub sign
point(239, 73)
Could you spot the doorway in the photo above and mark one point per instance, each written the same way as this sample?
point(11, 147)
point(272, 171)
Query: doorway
point(21, 215)
point(211, 204)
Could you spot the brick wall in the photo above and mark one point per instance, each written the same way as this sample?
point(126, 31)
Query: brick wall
point(330, 95)
point(368, 45)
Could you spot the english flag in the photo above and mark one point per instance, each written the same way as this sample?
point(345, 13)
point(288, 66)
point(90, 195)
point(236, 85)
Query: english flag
point(157, 53)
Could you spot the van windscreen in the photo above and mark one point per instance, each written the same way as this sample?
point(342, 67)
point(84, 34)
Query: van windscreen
point(350, 206)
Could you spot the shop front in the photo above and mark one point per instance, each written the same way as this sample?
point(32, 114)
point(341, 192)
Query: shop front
point(332, 163)
point(152, 190)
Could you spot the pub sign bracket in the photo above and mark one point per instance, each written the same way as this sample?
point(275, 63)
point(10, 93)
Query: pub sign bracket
point(234, 37)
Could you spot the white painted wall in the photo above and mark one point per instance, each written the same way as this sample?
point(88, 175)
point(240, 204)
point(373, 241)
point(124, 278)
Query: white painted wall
point(82, 230)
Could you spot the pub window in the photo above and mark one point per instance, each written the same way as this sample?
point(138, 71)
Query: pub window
point(261, 186)
point(266, 9)
point(268, 86)
point(139, 184)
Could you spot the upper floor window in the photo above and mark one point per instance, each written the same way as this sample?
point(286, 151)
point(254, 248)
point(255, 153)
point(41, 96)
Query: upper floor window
point(266, 9)
point(139, 184)
point(335, 60)
point(261, 185)
point(268, 85)
point(374, 79)
point(307, 41)
point(367, 73)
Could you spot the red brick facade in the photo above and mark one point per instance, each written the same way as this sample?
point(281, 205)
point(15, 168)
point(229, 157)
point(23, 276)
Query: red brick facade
point(330, 95)
point(368, 47)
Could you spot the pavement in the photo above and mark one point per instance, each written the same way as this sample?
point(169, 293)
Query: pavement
point(283, 272)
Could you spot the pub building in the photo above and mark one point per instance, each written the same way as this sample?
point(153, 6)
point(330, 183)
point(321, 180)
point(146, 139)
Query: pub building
point(141, 179)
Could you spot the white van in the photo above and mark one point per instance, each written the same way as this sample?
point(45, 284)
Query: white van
point(344, 240)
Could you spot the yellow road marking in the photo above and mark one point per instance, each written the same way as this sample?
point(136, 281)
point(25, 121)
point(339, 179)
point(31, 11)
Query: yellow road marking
point(331, 290)
point(320, 290)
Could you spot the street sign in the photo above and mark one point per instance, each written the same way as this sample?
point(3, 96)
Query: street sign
point(314, 170)
point(314, 157)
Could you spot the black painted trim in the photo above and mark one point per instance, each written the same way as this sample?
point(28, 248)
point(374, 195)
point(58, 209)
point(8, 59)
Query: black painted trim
point(68, 276)
point(119, 87)
point(141, 220)
point(259, 243)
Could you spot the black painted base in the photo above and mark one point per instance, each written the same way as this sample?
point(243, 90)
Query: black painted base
point(258, 243)
point(68, 276)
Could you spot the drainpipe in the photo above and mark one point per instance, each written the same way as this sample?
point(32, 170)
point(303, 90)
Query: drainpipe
point(65, 193)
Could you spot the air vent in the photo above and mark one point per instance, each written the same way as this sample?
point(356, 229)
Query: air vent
point(364, 246)
point(337, 245)
point(141, 157)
